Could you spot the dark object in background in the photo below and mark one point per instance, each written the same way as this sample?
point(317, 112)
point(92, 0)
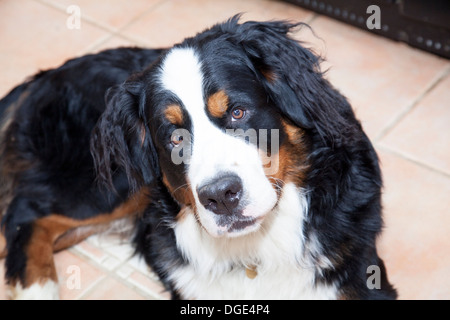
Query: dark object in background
point(421, 24)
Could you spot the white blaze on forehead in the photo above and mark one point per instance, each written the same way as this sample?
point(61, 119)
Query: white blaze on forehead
point(182, 75)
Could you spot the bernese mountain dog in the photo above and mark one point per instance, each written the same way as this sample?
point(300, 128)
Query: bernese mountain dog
point(245, 174)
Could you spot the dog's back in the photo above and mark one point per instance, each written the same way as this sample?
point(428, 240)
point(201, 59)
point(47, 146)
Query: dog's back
point(46, 122)
point(45, 163)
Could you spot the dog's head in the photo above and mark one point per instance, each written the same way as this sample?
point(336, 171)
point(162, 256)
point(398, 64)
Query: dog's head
point(224, 120)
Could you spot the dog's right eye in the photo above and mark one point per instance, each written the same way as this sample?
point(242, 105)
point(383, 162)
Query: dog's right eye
point(176, 140)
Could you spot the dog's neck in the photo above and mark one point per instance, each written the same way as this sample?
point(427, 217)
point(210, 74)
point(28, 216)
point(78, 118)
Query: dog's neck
point(279, 238)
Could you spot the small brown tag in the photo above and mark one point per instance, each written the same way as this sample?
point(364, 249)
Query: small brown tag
point(251, 272)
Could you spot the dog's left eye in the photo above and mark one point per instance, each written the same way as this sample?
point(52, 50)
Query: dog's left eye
point(237, 114)
point(176, 140)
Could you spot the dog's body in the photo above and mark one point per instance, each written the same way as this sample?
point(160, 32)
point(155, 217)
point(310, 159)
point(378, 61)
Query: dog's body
point(47, 193)
point(247, 173)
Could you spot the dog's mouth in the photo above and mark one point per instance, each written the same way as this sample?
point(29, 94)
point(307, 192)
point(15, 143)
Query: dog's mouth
point(233, 225)
point(241, 224)
point(237, 226)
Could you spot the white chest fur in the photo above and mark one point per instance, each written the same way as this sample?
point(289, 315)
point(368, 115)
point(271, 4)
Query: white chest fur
point(277, 249)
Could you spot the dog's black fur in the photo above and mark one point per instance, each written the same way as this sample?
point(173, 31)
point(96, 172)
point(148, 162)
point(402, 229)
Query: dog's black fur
point(47, 167)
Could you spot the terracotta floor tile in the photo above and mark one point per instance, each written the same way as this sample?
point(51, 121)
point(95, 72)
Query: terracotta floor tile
point(114, 246)
point(424, 133)
point(35, 37)
point(416, 241)
point(112, 14)
point(382, 79)
point(111, 289)
point(91, 252)
point(379, 76)
point(76, 276)
point(112, 43)
point(174, 20)
point(148, 285)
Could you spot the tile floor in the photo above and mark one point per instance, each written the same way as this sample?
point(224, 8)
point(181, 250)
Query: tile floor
point(401, 95)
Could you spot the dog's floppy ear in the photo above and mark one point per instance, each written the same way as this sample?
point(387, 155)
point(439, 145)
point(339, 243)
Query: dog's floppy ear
point(292, 76)
point(121, 141)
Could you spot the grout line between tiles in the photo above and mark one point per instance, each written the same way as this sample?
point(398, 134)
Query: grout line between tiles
point(85, 18)
point(94, 46)
point(91, 287)
point(113, 273)
point(140, 15)
point(91, 48)
point(112, 32)
point(409, 158)
point(118, 32)
point(141, 289)
point(396, 120)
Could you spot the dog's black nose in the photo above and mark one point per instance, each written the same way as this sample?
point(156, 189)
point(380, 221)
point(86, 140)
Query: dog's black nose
point(221, 195)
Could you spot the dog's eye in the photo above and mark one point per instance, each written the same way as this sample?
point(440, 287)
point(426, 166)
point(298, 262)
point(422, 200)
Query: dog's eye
point(176, 140)
point(237, 113)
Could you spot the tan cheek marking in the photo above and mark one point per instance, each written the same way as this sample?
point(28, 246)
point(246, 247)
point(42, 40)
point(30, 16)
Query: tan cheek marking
point(183, 194)
point(218, 104)
point(184, 212)
point(295, 134)
point(174, 114)
point(291, 159)
point(2, 246)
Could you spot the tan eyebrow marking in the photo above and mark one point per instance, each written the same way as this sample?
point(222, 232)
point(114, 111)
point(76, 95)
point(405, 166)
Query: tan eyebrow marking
point(218, 104)
point(174, 114)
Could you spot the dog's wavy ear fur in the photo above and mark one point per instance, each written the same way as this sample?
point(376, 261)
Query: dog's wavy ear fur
point(121, 141)
point(292, 76)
